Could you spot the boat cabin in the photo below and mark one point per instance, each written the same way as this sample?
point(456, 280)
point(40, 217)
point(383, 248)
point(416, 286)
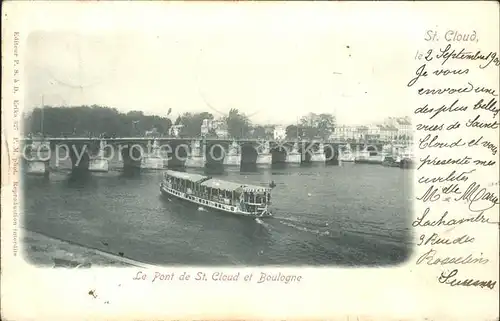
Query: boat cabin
point(247, 198)
point(183, 182)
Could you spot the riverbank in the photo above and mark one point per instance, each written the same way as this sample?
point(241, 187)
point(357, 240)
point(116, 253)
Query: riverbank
point(50, 252)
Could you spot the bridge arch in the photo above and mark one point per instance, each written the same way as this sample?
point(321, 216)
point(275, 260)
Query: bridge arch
point(305, 154)
point(278, 155)
point(80, 158)
point(175, 153)
point(249, 154)
point(215, 154)
point(372, 150)
point(132, 155)
point(332, 153)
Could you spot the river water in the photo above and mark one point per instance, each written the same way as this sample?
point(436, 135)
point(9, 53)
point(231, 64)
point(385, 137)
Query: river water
point(350, 215)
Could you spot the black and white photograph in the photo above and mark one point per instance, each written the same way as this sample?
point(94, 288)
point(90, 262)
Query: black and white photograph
point(201, 148)
point(250, 160)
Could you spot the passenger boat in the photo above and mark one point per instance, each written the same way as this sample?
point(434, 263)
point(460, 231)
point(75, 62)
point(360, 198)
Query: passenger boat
point(407, 159)
point(391, 161)
point(369, 157)
point(347, 156)
point(229, 197)
point(407, 163)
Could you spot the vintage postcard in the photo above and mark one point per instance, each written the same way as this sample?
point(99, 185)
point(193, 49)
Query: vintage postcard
point(250, 161)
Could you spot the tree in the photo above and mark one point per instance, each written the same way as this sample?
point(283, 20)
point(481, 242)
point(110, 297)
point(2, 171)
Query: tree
point(317, 126)
point(326, 125)
point(238, 124)
point(310, 132)
point(133, 113)
point(211, 133)
point(293, 132)
point(192, 123)
point(206, 115)
point(259, 132)
point(92, 121)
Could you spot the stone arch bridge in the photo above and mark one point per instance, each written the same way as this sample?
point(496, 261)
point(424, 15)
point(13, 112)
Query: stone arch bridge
point(191, 152)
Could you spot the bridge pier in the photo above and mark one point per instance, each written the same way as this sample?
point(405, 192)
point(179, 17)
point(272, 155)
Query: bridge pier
point(37, 158)
point(99, 163)
point(188, 152)
point(264, 159)
point(264, 156)
point(131, 156)
point(293, 157)
point(233, 155)
point(80, 158)
point(319, 154)
point(196, 158)
point(153, 159)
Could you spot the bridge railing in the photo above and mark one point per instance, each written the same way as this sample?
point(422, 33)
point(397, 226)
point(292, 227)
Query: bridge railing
point(328, 141)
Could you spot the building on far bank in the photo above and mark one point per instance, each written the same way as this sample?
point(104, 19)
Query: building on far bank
point(344, 132)
point(269, 131)
point(392, 129)
point(206, 126)
point(279, 132)
point(350, 132)
point(373, 132)
point(152, 133)
point(175, 130)
point(403, 125)
point(215, 127)
point(388, 133)
point(362, 132)
point(221, 129)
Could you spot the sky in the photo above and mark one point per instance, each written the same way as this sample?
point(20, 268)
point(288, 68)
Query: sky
point(274, 70)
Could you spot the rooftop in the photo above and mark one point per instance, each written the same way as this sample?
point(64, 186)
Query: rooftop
point(387, 127)
point(216, 183)
point(231, 186)
point(186, 176)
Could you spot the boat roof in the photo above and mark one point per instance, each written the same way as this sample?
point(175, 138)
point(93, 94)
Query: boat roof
point(186, 176)
point(230, 186)
point(217, 183)
point(255, 188)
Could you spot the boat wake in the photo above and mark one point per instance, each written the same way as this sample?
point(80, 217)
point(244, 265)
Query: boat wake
point(201, 209)
point(306, 229)
point(370, 230)
point(264, 224)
